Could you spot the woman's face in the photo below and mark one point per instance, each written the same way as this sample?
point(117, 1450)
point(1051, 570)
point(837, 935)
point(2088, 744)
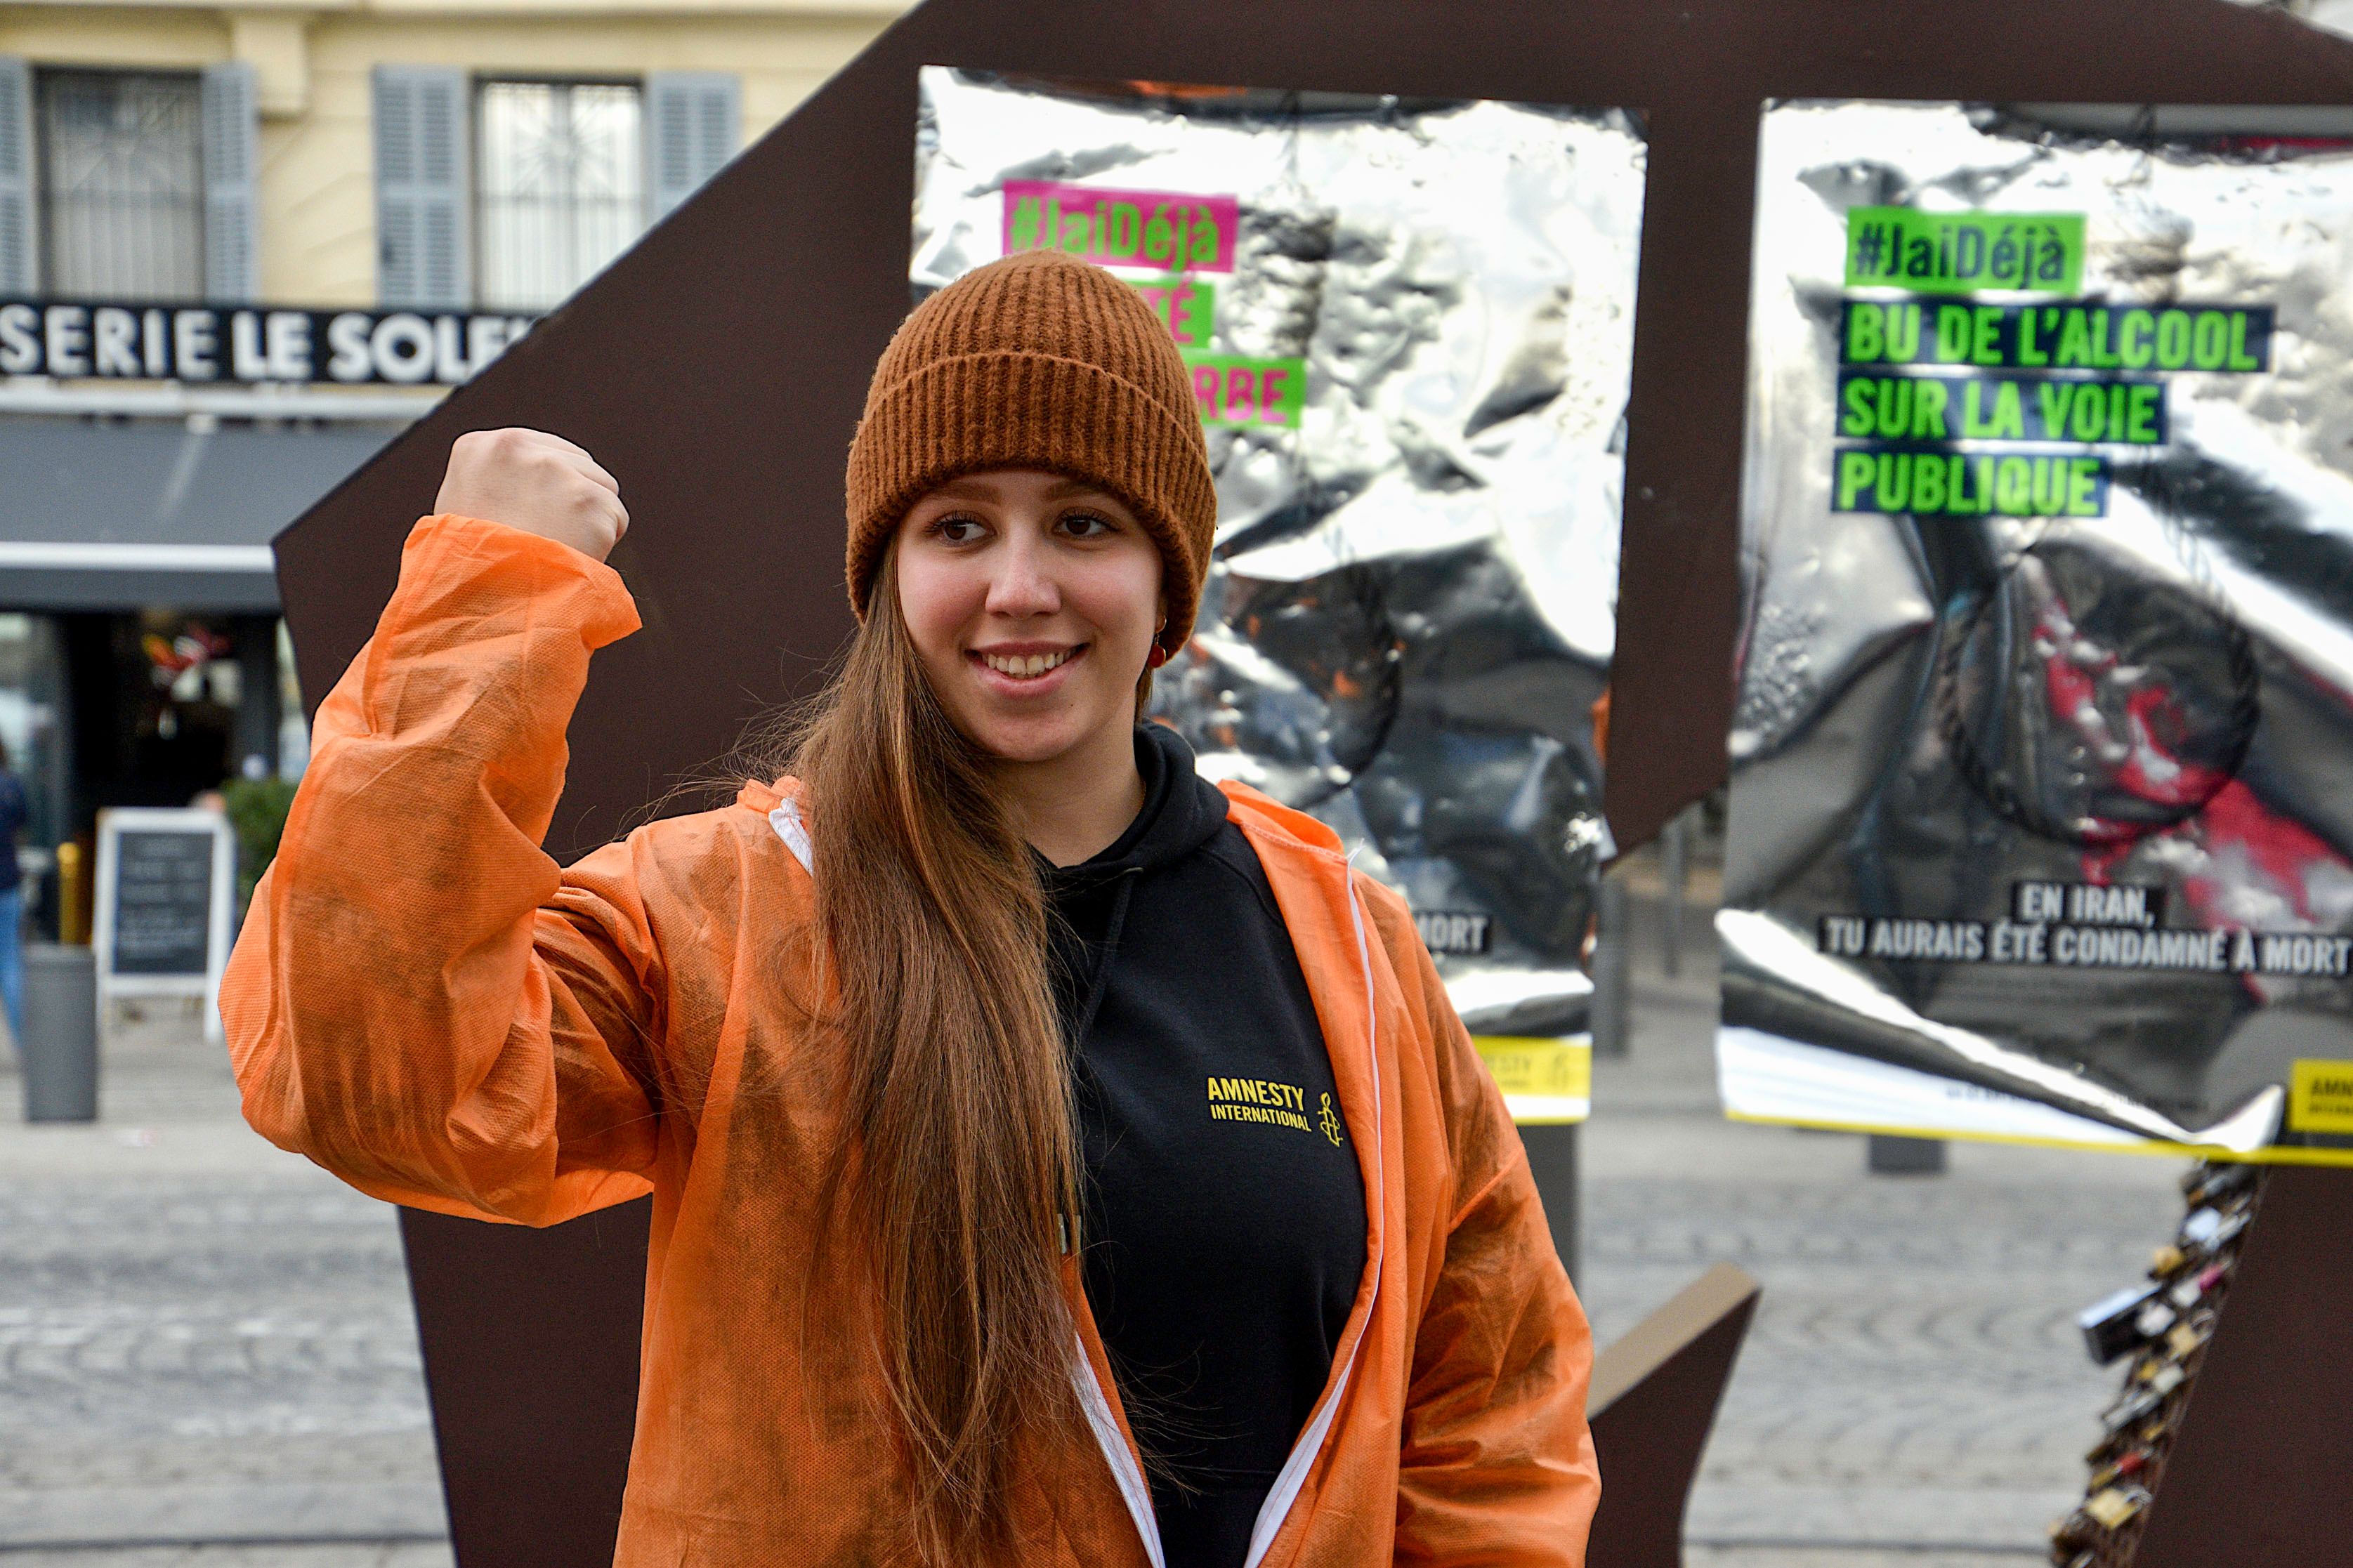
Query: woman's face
point(1032, 600)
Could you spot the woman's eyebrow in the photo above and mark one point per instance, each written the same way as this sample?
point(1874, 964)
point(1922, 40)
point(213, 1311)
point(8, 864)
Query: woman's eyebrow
point(1063, 490)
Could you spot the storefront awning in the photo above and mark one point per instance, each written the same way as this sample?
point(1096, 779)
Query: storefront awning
point(177, 513)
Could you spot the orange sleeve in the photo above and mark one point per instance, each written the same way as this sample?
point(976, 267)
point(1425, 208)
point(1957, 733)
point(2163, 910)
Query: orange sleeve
point(420, 1000)
point(1497, 1465)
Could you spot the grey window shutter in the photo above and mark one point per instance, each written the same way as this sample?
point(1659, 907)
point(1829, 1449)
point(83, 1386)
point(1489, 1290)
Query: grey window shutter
point(423, 256)
point(232, 183)
point(20, 246)
point(693, 119)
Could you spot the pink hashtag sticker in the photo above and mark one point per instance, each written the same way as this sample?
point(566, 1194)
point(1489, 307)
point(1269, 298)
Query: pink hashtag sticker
point(1168, 231)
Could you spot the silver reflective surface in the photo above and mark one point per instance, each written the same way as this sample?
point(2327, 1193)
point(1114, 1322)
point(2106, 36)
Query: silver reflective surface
point(1934, 708)
point(1410, 612)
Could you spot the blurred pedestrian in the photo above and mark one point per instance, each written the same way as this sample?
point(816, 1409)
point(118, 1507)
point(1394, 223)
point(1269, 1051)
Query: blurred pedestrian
point(1057, 1158)
point(13, 813)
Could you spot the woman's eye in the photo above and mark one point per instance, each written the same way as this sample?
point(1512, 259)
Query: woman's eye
point(957, 530)
point(1086, 525)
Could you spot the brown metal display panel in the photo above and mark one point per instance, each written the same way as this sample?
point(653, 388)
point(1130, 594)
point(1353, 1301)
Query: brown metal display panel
point(2256, 1478)
point(1653, 1402)
point(719, 367)
point(534, 1473)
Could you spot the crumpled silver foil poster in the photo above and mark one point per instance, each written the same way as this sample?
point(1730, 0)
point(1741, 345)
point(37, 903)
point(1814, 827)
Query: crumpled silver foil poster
point(1410, 325)
point(2041, 807)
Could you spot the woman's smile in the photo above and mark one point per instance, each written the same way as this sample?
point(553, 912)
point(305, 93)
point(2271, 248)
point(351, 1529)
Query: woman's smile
point(1023, 669)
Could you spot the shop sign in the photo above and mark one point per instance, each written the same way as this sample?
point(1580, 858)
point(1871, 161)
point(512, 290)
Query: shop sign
point(248, 345)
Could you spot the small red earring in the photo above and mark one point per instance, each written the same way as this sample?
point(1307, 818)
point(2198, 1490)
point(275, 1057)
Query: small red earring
point(1158, 657)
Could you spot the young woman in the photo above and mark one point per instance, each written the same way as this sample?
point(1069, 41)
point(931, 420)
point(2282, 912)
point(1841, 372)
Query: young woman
point(1055, 1159)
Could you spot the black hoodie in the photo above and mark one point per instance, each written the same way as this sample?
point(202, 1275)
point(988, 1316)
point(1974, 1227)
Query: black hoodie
point(1225, 1215)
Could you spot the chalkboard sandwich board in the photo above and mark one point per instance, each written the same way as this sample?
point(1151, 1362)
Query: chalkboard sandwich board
point(164, 881)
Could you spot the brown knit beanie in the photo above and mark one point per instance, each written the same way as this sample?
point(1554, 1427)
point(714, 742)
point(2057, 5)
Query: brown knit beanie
point(1038, 360)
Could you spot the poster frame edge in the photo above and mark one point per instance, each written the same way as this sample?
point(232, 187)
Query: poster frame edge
point(2273, 1154)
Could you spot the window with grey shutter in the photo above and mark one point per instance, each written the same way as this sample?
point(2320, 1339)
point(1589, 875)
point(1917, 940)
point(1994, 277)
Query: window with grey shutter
point(559, 186)
point(19, 246)
point(232, 183)
point(421, 246)
point(693, 118)
point(122, 184)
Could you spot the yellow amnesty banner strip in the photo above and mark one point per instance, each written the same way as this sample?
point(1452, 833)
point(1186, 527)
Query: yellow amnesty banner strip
point(1547, 1080)
point(2277, 1154)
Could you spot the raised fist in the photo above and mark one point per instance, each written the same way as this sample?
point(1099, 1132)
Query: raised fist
point(537, 482)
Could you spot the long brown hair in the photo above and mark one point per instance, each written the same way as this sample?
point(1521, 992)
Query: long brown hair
point(965, 1187)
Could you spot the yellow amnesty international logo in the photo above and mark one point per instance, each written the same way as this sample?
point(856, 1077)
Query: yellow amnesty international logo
point(1545, 1080)
point(1330, 1122)
point(1258, 1099)
point(2321, 1097)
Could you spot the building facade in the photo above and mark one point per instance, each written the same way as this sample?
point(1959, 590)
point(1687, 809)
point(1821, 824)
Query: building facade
point(241, 245)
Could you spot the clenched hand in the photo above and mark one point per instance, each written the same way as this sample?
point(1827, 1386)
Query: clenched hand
point(537, 482)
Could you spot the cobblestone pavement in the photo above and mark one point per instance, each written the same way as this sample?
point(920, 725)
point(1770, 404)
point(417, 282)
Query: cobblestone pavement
point(201, 1338)
point(205, 1341)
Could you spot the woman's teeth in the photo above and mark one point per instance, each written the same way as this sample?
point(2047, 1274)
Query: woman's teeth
point(1024, 666)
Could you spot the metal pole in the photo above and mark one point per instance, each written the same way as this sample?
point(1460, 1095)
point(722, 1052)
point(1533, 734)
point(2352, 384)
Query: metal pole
point(1675, 847)
point(1552, 1161)
point(1611, 1018)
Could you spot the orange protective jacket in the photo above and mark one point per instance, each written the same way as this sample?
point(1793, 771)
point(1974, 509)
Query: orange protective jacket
point(426, 1005)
